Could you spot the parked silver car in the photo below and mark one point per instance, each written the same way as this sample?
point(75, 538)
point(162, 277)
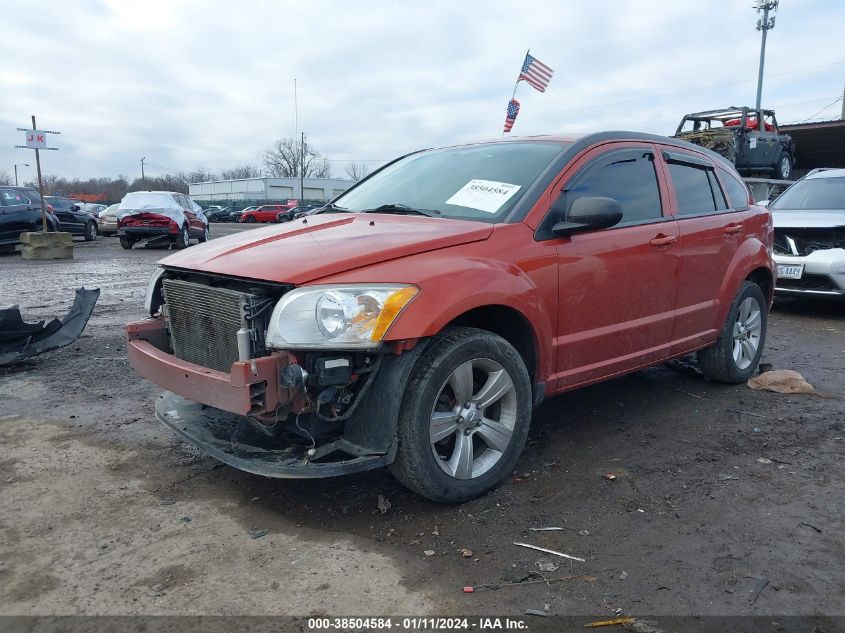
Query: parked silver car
point(809, 220)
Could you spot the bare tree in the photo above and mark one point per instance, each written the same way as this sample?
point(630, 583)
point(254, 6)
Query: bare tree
point(240, 171)
point(285, 157)
point(200, 174)
point(5, 178)
point(357, 171)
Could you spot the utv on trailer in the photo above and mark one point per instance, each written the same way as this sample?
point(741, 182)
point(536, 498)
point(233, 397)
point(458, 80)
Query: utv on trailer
point(738, 135)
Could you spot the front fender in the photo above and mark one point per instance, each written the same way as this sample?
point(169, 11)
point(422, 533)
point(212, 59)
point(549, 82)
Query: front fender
point(444, 297)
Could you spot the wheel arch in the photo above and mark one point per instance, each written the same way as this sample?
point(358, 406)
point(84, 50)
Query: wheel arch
point(751, 262)
point(764, 278)
point(507, 322)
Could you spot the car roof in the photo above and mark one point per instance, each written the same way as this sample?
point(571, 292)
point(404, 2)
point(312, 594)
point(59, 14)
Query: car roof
point(826, 173)
point(577, 143)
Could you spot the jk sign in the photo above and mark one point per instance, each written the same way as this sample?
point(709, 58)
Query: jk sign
point(36, 139)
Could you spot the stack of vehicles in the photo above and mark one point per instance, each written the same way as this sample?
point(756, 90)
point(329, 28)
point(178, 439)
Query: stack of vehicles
point(737, 133)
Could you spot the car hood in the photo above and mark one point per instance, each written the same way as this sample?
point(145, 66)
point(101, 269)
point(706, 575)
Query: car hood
point(325, 244)
point(823, 218)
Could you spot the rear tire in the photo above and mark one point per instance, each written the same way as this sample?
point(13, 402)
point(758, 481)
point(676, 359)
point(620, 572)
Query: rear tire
point(183, 240)
point(735, 355)
point(464, 416)
point(783, 170)
point(250, 219)
point(126, 243)
point(90, 232)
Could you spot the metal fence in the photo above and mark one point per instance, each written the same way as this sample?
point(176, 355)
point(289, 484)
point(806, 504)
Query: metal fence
point(237, 205)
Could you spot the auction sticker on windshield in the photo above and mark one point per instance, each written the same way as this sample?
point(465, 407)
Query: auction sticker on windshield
point(484, 195)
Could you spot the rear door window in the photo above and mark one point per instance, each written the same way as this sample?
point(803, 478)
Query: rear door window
point(737, 191)
point(692, 189)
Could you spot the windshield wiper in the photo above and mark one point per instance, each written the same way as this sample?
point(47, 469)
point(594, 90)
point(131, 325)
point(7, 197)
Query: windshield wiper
point(332, 207)
point(398, 207)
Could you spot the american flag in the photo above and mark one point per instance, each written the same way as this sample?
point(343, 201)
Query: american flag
point(536, 72)
point(513, 110)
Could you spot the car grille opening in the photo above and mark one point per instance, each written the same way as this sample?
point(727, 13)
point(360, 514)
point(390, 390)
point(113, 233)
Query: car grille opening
point(804, 241)
point(204, 322)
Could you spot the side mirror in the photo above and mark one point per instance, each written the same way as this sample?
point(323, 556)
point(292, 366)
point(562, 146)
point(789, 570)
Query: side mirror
point(588, 214)
point(75, 207)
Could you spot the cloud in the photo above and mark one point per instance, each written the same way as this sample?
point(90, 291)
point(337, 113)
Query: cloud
point(189, 83)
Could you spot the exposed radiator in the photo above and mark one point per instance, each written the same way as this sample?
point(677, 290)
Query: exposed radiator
point(204, 322)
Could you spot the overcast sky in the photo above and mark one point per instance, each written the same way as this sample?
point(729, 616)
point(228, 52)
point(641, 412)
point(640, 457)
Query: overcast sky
point(190, 83)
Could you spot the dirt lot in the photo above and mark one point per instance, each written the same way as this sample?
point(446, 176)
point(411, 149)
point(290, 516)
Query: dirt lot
point(717, 487)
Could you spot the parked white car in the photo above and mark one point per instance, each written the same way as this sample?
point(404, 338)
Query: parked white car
point(809, 220)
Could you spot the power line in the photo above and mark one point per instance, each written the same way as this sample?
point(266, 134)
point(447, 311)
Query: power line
point(837, 100)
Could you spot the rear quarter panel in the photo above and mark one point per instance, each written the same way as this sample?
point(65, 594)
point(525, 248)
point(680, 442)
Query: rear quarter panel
point(755, 252)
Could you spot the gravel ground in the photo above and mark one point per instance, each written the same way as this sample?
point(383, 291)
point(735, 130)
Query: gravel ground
point(726, 500)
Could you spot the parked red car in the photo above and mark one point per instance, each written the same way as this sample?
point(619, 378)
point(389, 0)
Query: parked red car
point(265, 213)
point(417, 321)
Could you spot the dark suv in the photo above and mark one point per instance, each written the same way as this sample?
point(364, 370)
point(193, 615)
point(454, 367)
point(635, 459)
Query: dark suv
point(20, 212)
point(72, 219)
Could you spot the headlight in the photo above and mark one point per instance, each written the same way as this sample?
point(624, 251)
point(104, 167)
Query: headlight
point(340, 317)
point(152, 300)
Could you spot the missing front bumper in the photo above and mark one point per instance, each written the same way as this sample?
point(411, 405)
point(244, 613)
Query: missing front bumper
point(233, 440)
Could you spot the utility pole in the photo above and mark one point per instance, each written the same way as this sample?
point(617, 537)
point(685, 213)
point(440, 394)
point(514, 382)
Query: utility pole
point(843, 105)
point(143, 178)
point(40, 185)
point(302, 168)
point(27, 165)
point(764, 24)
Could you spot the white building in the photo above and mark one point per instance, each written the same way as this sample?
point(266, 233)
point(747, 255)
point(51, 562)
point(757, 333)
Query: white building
point(268, 189)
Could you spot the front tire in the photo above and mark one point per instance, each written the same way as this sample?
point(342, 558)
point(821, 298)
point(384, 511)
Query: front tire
point(183, 240)
point(736, 354)
point(126, 243)
point(783, 170)
point(250, 219)
point(464, 416)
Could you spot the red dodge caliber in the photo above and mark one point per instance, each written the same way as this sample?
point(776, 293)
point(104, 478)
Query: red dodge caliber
point(417, 320)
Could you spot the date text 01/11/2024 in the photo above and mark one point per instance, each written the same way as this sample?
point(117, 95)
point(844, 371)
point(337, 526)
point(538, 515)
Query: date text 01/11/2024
point(416, 623)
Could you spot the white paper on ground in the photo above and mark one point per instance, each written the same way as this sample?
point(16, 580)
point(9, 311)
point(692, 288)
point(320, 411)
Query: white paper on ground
point(484, 195)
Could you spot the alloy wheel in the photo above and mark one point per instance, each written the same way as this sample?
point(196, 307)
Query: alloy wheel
point(746, 333)
point(473, 418)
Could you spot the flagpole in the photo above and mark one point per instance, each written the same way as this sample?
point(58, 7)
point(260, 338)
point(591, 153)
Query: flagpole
point(516, 83)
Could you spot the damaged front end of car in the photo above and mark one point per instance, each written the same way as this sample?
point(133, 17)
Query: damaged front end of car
point(810, 259)
point(277, 380)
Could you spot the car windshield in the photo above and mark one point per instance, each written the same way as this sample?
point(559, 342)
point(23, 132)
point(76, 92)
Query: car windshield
point(814, 194)
point(475, 182)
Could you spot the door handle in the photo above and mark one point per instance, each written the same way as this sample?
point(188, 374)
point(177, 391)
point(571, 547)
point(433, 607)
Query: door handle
point(663, 240)
point(733, 229)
